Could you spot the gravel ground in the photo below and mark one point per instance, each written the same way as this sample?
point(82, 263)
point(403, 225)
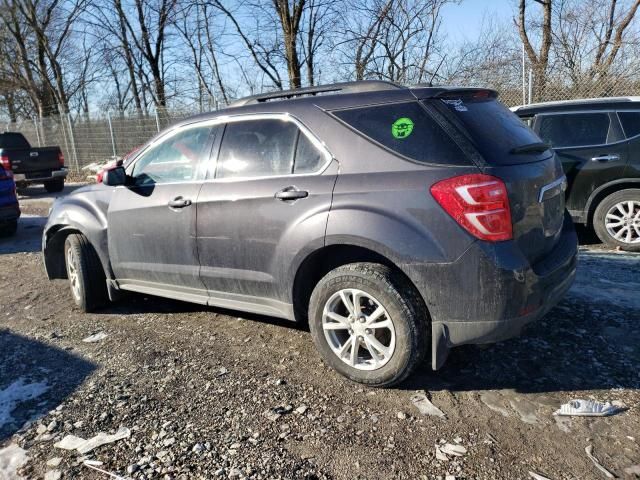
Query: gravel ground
point(206, 393)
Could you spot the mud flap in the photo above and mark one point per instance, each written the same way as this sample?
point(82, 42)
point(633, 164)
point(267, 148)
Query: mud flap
point(439, 345)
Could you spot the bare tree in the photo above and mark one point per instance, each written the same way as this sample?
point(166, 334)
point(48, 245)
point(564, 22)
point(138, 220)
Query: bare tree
point(539, 59)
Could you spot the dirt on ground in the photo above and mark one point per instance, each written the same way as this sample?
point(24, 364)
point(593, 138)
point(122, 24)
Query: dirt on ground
point(199, 392)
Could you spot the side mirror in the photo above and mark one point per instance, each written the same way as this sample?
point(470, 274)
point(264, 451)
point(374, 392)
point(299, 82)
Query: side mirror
point(114, 176)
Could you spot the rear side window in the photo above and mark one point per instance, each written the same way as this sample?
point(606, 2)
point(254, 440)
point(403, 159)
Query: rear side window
point(574, 130)
point(257, 148)
point(630, 123)
point(494, 129)
point(308, 158)
point(405, 128)
point(13, 140)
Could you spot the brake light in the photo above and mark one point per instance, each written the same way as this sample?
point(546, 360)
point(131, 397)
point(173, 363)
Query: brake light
point(4, 161)
point(61, 159)
point(479, 203)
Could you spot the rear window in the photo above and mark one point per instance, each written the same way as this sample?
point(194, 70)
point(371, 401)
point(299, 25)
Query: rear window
point(13, 140)
point(494, 129)
point(406, 129)
point(574, 130)
point(630, 123)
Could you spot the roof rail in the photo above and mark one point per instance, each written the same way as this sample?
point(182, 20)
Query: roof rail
point(577, 101)
point(344, 87)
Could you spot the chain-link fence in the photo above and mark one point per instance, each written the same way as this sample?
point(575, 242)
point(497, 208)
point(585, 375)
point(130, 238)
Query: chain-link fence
point(90, 139)
point(85, 140)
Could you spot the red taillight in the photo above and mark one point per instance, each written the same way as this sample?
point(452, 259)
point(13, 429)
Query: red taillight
point(99, 176)
point(61, 159)
point(479, 203)
point(4, 161)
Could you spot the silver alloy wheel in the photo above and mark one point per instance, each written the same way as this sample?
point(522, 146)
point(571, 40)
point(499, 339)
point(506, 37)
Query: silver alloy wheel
point(72, 273)
point(358, 329)
point(623, 221)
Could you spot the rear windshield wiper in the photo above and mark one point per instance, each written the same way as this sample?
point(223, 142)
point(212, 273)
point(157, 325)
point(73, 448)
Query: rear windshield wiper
point(537, 147)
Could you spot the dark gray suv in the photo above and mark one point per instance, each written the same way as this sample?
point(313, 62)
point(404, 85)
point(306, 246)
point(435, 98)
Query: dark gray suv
point(393, 220)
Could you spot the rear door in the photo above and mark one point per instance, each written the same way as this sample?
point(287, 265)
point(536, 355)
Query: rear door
point(152, 221)
point(591, 148)
point(268, 197)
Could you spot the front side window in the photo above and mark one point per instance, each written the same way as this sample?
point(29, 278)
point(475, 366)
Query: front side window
point(574, 130)
point(266, 148)
point(175, 159)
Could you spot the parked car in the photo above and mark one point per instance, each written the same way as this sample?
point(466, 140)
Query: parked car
point(392, 219)
point(598, 142)
point(32, 165)
point(9, 208)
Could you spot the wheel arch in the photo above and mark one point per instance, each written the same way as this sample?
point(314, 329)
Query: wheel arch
point(53, 250)
point(602, 192)
point(322, 260)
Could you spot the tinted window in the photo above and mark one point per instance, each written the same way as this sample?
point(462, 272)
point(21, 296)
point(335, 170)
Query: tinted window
point(13, 140)
point(308, 158)
point(630, 123)
point(405, 128)
point(574, 130)
point(257, 148)
point(494, 129)
point(174, 159)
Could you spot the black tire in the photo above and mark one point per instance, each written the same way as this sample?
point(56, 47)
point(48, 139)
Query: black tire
point(405, 309)
point(53, 186)
point(91, 291)
point(8, 229)
point(599, 219)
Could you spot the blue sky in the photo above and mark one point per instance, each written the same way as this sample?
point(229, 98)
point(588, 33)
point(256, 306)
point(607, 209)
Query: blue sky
point(464, 21)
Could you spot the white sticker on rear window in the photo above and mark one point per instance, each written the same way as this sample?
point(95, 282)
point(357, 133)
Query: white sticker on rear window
point(457, 104)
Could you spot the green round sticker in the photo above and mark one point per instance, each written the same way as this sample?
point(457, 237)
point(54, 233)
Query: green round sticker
point(402, 128)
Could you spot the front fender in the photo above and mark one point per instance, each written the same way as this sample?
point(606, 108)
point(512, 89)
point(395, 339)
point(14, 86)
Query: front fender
point(84, 212)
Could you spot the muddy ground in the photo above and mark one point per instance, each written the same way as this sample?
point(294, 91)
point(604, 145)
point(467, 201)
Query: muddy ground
point(209, 393)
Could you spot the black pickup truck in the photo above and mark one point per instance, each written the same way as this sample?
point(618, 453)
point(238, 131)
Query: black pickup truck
point(32, 165)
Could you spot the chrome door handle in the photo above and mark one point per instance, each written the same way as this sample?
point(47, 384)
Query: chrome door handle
point(291, 193)
point(179, 202)
point(605, 158)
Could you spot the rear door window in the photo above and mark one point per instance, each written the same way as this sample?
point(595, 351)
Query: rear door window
point(405, 128)
point(257, 148)
point(630, 123)
point(574, 129)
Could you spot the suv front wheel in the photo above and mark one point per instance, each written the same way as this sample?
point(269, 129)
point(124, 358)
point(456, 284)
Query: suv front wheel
point(369, 323)
point(617, 220)
point(85, 274)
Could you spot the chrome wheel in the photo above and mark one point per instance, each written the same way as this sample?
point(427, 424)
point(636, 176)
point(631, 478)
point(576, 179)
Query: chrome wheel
point(358, 329)
point(623, 221)
point(72, 273)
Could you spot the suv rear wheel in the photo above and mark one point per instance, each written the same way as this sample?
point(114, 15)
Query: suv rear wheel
point(617, 220)
point(369, 323)
point(84, 270)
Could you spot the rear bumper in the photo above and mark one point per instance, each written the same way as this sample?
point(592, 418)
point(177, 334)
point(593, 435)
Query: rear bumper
point(55, 174)
point(492, 292)
point(9, 213)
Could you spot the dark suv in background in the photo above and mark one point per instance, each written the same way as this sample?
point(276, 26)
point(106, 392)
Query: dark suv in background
point(392, 219)
point(598, 143)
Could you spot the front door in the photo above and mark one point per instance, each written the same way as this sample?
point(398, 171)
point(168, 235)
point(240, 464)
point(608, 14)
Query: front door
point(152, 221)
point(590, 146)
point(269, 199)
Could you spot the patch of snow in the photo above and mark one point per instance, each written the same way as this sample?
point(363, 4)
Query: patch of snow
point(11, 459)
point(16, 393)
